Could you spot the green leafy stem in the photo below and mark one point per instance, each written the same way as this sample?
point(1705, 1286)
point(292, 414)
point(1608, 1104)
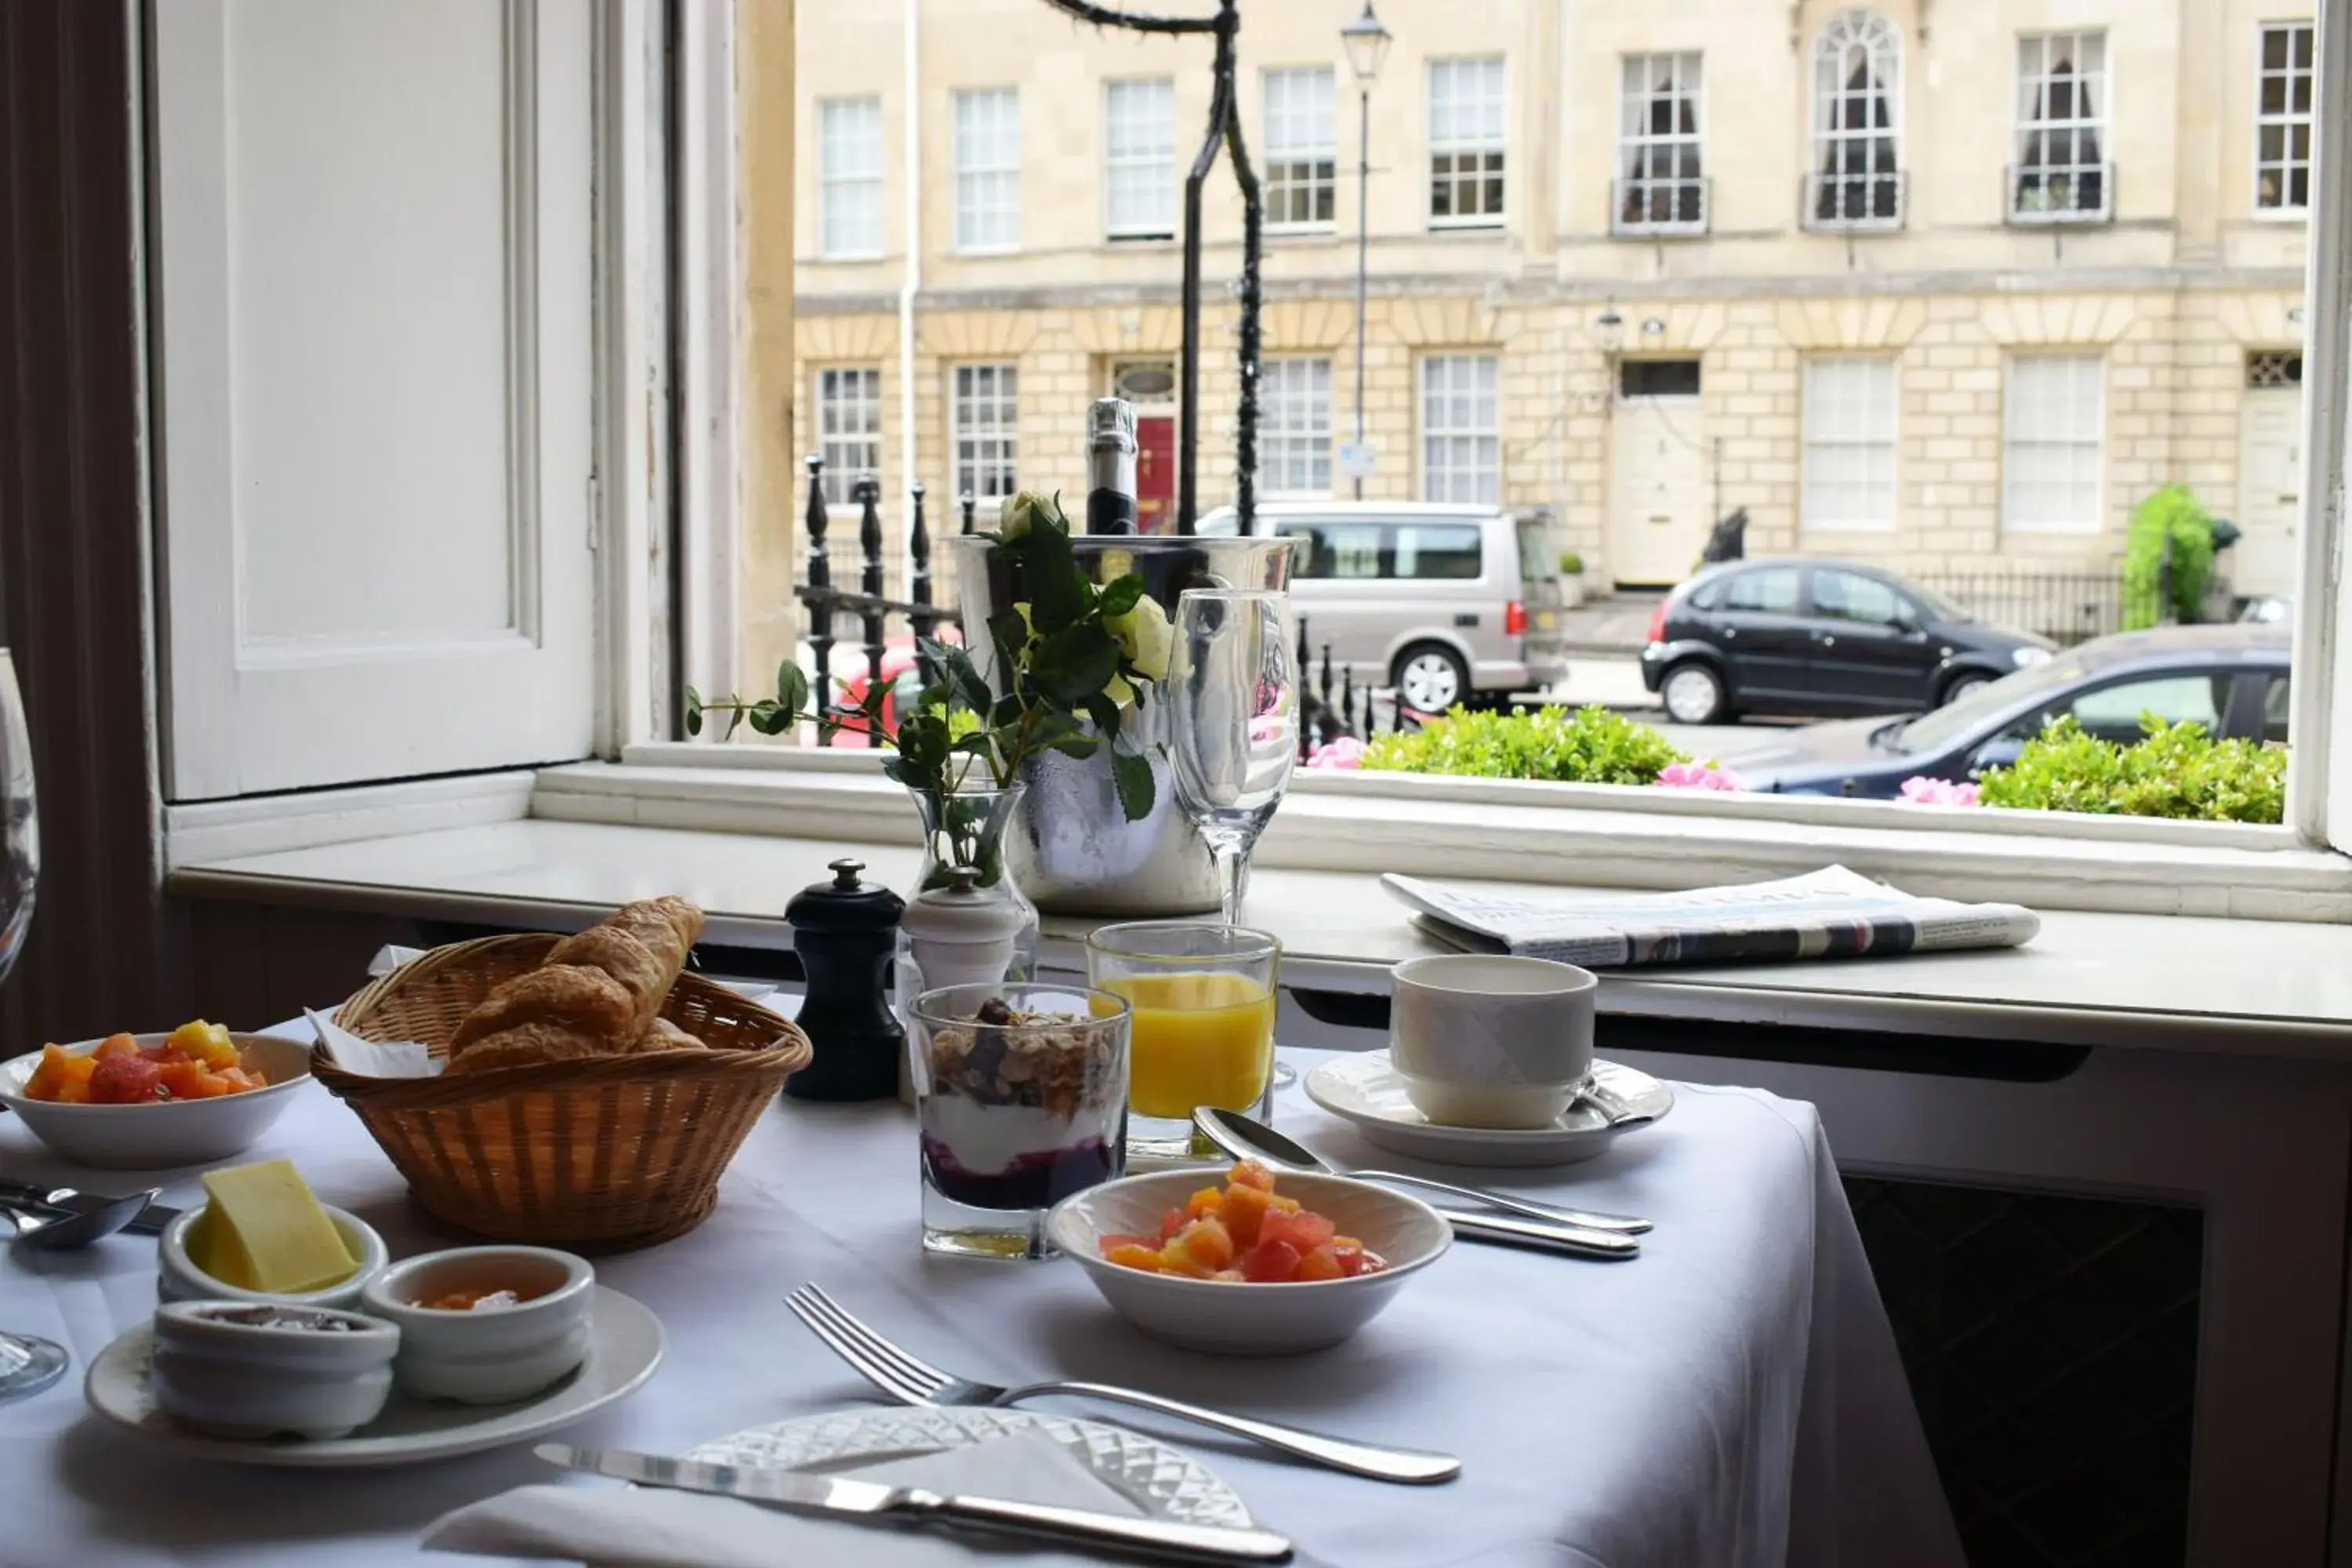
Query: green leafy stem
point(1080, 662)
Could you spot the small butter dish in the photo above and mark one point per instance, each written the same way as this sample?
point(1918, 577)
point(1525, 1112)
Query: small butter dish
point(259, 1369)
point(486, 1325)
point(180, 1278)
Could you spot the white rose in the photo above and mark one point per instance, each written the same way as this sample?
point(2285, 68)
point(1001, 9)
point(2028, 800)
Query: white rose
point(1020, 515)
point(1144, 636)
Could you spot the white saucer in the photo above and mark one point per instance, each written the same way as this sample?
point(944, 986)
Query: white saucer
point(1365, 1089)
point(1159, 1481)
point(625, 1345)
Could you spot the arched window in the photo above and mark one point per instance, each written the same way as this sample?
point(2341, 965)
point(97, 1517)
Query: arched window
point(1857, 180)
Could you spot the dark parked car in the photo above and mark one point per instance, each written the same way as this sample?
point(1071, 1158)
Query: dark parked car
point(2231, 679)
point(1818, 638)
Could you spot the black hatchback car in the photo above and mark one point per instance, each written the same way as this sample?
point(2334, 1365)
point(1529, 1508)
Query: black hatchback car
point(2232, 679)
point(1816, 638)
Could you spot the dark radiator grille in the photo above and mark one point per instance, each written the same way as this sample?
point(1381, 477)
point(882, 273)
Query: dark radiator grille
point(2052, 1344)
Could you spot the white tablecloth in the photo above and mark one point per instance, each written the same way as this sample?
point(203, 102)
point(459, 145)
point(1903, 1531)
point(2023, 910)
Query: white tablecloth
point(1732, 1397)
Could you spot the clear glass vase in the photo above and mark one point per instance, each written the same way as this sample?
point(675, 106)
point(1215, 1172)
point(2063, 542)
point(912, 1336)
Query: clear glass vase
point(969, 828)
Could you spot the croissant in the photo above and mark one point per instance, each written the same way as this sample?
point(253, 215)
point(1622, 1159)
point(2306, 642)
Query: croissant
point(598, 993)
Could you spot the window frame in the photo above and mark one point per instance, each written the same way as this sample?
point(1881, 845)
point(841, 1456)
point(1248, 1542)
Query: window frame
point(1807, 523)
point(2010, 440)
point(841, 483)
point(2284, 212)
point(1882, 39)
point(2099, 126)
point(1665, 838)
point(1456, 146)
point(1638, 146)
point(960, 230)
point(1429, 432)
point(1007, 434)
point(1116, 162)
point(1282, 155)
point(1278, 433)
point(871, 182)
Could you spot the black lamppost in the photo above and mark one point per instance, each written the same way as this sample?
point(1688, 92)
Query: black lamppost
point(1367, 45)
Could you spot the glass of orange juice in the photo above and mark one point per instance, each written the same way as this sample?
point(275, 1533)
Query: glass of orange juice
point(1202, 1023)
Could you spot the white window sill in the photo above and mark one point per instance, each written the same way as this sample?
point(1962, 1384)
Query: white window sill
point(2100, 980)
point(1582, 834)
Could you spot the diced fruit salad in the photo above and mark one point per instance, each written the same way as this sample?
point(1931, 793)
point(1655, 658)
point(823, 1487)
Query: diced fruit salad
point(1245, 1233)
point(198, 1062)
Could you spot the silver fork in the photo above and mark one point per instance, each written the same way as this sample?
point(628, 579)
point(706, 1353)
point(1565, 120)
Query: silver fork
point(913, 1381)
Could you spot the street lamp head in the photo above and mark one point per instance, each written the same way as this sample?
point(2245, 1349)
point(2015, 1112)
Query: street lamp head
point(1367, 43)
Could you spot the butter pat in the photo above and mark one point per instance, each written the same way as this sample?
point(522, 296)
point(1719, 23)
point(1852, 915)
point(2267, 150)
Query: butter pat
point(264, 1231)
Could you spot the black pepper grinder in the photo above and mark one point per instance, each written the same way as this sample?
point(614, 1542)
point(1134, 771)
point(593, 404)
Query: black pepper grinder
point(847, 934)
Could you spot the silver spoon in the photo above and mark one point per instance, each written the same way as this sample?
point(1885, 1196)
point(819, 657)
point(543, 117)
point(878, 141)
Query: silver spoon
point(80, 1228)
point(1247, 1138)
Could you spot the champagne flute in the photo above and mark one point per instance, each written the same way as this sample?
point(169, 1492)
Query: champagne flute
point(27, 1365)
point(1233, 719)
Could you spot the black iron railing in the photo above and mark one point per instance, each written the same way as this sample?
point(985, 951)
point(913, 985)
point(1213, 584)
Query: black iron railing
point(2068, 607)
point(1326, 714)
point(869, 608)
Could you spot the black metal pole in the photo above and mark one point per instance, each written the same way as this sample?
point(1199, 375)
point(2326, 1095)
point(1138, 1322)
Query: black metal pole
point(918, 582)
point(820, 576)
point(1252, 244)
point(869, 544)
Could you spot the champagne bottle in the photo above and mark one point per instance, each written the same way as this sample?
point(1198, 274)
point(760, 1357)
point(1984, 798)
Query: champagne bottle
point(1110, 467)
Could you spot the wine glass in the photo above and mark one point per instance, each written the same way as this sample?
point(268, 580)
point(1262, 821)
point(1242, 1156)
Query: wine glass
point(1233, 719)
point(27, 1365)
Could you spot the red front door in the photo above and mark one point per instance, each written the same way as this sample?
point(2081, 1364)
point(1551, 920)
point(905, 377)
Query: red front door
point(1155, 473)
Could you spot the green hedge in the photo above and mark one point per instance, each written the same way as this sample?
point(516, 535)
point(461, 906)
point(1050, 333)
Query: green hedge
point(2177, 771)
point(1591, 745)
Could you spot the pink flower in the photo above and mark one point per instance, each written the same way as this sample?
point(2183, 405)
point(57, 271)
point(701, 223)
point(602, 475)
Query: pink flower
point(1698, 775)
point(1347, 751)
point(1925, 790)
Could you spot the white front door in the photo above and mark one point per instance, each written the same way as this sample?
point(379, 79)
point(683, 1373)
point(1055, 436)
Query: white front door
point(1658, 518)
point(2270, 491)
point(373, 290)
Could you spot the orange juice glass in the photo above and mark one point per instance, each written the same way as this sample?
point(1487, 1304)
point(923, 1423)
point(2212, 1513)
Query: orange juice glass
point(1202, 1032)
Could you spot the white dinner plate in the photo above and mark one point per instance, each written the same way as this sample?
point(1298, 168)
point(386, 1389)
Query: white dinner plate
point(1159, 1481)
point(624, 1346)
point(1365, 1089)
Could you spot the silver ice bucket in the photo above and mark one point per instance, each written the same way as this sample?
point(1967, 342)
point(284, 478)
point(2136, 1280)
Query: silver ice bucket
point(1071, 845)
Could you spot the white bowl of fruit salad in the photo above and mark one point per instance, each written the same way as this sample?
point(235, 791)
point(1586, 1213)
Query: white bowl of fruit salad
point(195, 1096)
point(1234, 1263)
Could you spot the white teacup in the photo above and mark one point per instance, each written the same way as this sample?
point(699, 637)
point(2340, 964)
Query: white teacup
point(1485, 1040)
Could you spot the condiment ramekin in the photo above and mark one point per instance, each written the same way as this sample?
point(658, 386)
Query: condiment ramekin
point(241, 1380)
point(486, 1355)
point(179, 1280)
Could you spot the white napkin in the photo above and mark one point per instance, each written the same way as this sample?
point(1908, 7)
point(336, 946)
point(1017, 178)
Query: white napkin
point(652, 1528)
point(377, 1059)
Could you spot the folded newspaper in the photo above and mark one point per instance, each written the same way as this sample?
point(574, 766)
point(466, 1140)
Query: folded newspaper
point(1830, 913)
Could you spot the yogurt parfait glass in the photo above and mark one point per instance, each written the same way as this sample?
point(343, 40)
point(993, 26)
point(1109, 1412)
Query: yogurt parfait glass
point(1021, 1094)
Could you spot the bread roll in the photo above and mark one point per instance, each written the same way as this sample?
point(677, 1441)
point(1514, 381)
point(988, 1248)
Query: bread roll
point(599, 993)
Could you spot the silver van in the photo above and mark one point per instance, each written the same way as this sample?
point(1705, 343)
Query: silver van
point(1442, 602)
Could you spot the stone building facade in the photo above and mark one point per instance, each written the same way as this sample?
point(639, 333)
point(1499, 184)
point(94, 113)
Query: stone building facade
point(1934, 284)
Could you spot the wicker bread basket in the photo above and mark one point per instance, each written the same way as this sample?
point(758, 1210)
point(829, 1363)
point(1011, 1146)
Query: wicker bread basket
point(604, 1154)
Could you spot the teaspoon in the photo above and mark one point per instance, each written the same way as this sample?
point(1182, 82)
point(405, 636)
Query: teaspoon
point(1247, 1138)
point(81, 1227)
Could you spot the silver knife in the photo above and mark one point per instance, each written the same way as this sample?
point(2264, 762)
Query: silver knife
point(58, 1203)
point(1506, 1230)
point(873, 1500)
